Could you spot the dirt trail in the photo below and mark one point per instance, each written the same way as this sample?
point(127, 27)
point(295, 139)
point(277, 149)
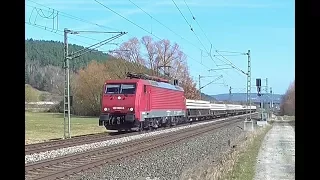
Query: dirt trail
point(276, 159)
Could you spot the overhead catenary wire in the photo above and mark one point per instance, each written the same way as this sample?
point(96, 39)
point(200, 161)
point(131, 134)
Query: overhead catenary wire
point(142, 28)
point(74, 17)
point(194, 18)
point(105, 27)
point(209, 53)
point(153, 18)
point(189, 25)
point(177, 33)
point(50, 30)
point(53, 29)
point(232, 65)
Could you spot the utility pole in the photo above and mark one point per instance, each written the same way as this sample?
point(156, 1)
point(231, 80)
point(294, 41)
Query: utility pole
point(67, 58)
point(249, 87)
point(66, 92)
point(200, 86)
point(248, 124)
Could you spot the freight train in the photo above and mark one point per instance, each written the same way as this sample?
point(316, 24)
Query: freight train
point(143, 102)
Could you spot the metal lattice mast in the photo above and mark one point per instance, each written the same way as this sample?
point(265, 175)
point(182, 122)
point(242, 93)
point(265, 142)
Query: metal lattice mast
point(200, 86)
point(66, 92)
point(67, 57)
point(249, 86)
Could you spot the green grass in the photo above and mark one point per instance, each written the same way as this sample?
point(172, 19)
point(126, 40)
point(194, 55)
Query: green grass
point(45, 126)
point(244, 168)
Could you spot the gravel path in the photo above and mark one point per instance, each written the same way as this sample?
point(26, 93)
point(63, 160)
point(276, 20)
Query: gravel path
point(276, 159)
point(171, 162)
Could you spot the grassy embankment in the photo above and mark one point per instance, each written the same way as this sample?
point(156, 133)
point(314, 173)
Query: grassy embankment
point(244, 158)
point(45, 126)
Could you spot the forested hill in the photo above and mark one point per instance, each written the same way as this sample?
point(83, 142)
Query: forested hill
point(47, 53)
point(44, 63)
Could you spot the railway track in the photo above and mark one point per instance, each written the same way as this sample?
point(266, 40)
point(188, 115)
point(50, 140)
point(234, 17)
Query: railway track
point(74, 163)
point(82, 139)
point(74, 141)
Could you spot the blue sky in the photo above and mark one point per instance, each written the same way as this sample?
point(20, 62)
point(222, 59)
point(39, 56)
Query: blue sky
point(265, 27)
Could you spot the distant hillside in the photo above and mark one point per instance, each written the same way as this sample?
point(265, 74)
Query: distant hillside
point(238, 97)
point(207, 97)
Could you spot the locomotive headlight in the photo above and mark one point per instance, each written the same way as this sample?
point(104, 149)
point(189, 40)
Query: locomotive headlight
point(106, 109)
point(131, 109)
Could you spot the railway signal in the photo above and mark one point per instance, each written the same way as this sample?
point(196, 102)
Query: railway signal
point(258, 84)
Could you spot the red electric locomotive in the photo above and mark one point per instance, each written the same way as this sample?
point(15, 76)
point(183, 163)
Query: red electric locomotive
point(141, 102)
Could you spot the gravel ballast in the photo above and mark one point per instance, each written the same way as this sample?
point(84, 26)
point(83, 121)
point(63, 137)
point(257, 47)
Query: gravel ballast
point(171, 162)
point(81, 148)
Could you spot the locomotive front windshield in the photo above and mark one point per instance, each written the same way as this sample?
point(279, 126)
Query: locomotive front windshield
point(120, 89)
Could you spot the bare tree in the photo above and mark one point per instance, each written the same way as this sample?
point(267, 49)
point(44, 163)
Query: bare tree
point(151, 52)
point(130, 51)
point(165, 52)
point(287, 106)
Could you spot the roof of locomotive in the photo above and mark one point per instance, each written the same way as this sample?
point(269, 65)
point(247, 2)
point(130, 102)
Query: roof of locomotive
point(147, 82)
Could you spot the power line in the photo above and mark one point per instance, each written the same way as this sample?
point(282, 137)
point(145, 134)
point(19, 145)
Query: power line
point(169, 30)
point(241, 53)
point(76, 18)
point(194, 18)
point(53, 29)
point(189, 25)
point(142, 28)
point(193, 30)
point(48, 29)
point(232, 65)
point(180, 35)
point(182, 15)
point(209, 53)
point(165, 25)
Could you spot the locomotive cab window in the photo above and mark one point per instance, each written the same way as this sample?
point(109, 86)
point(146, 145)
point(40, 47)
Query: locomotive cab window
point(145, 88)
point(112, 88)
point(120, 89)
point(128, 89)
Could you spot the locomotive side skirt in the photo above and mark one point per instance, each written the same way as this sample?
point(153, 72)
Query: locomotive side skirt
point(162, 113)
